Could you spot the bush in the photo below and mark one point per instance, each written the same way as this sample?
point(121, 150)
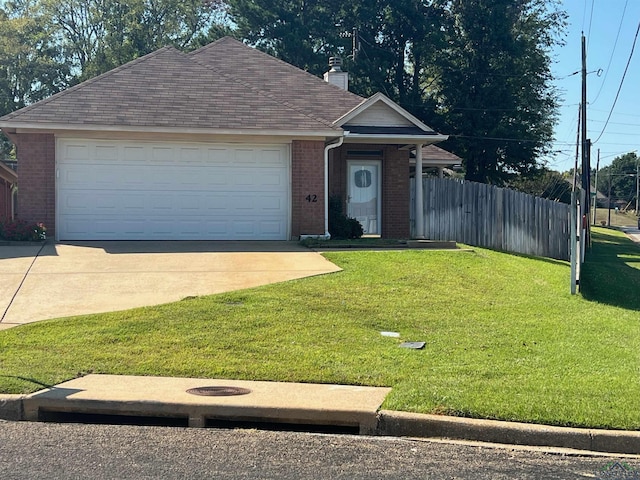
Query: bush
point(19, 230)
point(342, 227)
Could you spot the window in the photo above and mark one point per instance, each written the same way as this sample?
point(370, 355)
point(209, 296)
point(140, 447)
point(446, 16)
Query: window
point(362, 178)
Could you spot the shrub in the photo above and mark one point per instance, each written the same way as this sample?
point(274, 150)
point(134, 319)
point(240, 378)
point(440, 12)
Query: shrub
point(340, 226)
point(20, 230)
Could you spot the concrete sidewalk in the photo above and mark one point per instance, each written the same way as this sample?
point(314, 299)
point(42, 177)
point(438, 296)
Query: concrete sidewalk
point(65, 279)
point(109, 398)
point(632, 232)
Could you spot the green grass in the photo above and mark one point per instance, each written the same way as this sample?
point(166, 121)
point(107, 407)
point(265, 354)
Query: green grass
point(505, 339)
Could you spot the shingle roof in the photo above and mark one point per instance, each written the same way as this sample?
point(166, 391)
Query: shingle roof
point(282, 80)
point(225, 85)
point(437, 154)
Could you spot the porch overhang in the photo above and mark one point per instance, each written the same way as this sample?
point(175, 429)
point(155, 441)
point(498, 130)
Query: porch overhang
point(392, 136)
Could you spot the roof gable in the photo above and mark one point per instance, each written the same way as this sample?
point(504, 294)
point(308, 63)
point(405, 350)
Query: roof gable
point(380, 111)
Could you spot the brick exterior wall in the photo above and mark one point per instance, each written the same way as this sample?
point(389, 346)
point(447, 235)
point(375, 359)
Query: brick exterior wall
point(6, 200)
point(307, 188)
point(395, 193)
point(36, 182)
point(395, 185)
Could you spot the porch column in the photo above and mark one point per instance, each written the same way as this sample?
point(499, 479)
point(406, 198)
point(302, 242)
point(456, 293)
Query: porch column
point(419, 194)
point(440, 171)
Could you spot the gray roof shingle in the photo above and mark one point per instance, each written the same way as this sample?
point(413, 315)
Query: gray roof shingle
point(282, 80)
point(225, 85)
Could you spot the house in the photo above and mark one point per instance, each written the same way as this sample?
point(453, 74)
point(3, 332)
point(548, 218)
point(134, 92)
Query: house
point(223, 143)
point(8, 187)
point(438, 159)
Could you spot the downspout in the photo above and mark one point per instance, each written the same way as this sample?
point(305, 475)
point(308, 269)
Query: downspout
point(331, 146)
point(14, 190)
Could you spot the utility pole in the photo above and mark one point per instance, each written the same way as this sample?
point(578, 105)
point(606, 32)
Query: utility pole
point(355, 43)
point(609, 200)
point(586, 187)
point(595, 198)
point(637, 184)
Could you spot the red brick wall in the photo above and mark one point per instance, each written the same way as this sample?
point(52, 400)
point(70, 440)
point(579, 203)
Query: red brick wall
point(395, 185)
point(307, 188)
point(5, 198)
point(338, 174)
point(36, 182)
point(395, 193)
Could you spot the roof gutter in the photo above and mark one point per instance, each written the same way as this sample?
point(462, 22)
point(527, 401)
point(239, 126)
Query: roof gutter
point(79, 129)
point(411, 140)
point(328, 147)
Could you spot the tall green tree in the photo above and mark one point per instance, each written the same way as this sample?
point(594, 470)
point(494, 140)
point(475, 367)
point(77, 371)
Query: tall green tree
point(31, 63)
point(300, 32)
point(98, 35)
point(387, 46)
point(494, 88)
point(621, 173)
point(476, 69)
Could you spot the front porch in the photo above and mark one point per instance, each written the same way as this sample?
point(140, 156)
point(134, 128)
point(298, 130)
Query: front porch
point(372, 183)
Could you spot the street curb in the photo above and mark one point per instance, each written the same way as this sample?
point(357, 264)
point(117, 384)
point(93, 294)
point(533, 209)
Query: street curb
point(403, 424)
point(11, 407)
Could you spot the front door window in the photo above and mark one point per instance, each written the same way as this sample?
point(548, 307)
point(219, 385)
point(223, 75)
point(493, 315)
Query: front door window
point(363, 196)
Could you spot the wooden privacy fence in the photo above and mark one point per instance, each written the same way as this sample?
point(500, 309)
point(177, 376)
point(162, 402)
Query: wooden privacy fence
point(487, 216)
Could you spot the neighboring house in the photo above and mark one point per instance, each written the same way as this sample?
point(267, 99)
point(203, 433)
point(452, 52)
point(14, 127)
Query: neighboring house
point(436, 158)
point(223, 143)
point(8, 187)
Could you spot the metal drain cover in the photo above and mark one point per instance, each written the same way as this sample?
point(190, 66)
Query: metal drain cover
point(218, 391)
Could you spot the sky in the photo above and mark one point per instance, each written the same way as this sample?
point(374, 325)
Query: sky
point(600, 20)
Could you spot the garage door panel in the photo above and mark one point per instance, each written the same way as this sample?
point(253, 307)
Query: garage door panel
point(119, 190)
point(76, 152)
point(132, 154)
point(106, 152)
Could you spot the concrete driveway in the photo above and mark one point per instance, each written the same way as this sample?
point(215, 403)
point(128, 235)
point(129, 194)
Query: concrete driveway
point(64, 279)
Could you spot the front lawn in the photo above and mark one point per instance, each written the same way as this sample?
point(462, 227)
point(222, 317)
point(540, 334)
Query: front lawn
point(504, 337)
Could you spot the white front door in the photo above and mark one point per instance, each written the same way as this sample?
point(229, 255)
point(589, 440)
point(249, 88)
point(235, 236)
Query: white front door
point(363, 194)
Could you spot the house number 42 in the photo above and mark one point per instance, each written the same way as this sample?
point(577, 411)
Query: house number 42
point(311, 198)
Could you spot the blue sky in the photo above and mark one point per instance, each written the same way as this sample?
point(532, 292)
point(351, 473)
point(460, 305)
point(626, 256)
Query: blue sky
point(622, 134)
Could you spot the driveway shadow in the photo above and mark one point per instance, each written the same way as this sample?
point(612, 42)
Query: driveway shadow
point(611, 272)
point(26, 250)
point(189, 246)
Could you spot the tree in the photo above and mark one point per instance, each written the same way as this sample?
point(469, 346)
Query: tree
point(494, 84)
point(300, 32)
point(98, 35)
point(31, 64)
point(544, 183)
point(622, 174)
point(477, 69)
point(394, 40)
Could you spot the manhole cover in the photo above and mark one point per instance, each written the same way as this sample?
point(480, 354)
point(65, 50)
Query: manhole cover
point(218, 391)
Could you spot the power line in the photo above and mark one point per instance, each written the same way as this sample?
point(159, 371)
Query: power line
point(621, 114)
point(590, 21)
point(504, 139)
point(615, 44)
point(635, 39)
point(625, 124)
point(621, 134)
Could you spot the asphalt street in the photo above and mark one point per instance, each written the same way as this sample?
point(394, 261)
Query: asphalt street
point(73, 451)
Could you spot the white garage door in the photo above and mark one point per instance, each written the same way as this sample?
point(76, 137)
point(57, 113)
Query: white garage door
point(111, 190)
